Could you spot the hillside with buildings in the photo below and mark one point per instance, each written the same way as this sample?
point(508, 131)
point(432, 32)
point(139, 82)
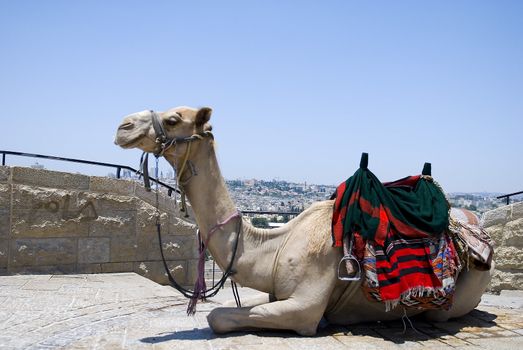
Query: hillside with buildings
point(285, 196)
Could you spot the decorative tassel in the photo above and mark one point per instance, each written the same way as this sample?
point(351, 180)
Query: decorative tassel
point(199, 286)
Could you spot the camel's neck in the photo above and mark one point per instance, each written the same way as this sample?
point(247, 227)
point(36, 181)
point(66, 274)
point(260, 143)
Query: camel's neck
point(212, 204)
point(206, 190)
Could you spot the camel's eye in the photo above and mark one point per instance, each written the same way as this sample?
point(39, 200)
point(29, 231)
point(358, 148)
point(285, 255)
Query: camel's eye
point(172, 121)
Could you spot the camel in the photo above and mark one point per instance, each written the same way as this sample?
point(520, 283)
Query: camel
point(294, 265)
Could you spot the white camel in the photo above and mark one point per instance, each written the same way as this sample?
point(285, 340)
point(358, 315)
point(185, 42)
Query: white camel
point(295, 265)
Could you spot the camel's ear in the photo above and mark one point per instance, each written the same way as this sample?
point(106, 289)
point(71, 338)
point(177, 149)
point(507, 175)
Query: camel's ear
point(203, 116)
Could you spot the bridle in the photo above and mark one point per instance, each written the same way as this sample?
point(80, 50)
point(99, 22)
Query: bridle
point(163, 143)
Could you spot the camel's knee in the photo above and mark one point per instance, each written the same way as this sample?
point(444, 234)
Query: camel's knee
point(217, 323)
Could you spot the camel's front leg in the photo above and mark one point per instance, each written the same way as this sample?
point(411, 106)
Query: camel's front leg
point(262, 298)
point(298, 315)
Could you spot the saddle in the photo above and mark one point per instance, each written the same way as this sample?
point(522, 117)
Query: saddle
point(399, 237)
point(474, 244)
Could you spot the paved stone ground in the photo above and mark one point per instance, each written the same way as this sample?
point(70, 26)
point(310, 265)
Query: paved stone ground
point(127, 311)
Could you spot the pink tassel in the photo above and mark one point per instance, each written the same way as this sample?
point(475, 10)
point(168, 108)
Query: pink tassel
point(199, 286)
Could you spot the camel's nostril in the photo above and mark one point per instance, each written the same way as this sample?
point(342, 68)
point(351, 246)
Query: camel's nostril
point(126, 126)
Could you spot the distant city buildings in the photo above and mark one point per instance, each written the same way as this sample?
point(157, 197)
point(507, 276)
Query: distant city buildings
point(478, 203)
point(284, 196)
point(276, 195)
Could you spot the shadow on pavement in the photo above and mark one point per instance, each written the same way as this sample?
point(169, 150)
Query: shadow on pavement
point(398, 332)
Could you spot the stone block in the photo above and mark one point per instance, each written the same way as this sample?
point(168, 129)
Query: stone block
point(513, 234)
point(47, 178)
point(506, 281)
point(496, 233)
point(165, 203)
point(5, 223)
point(42, 212)
point(45, 223)
point(41, 252)
point(89, 268)
point(497, 216)
point(192, 272)
point(181, 227)
point(117, 267)
point(108, 185)
point(180, 247)
point(146, 196)
point(5, 171)
point(123, 249)
point(51, 199)
point(148, 247)
point(114, 223)
point(43, 269)
point(5, 196)
point(508, 258)
point(178, 236)
point(146, 219)
point(155, 271)
point(517, 210)
point(4, 252)
point(93, 250)
point(109, 202)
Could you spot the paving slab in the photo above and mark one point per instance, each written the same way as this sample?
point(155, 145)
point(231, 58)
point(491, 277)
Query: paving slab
point(127, 311)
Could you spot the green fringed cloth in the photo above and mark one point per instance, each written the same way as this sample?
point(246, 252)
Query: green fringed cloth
point(414, 206)
point(403, 223)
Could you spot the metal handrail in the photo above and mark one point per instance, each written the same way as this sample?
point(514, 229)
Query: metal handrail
point(267, 212)
point(118, 167)
point(507, 196)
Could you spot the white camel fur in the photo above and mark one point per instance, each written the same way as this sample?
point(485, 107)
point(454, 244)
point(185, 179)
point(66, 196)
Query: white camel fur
point(295, 264)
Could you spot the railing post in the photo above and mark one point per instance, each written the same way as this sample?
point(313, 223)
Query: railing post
point(213, 270)
point(3, 159)
point(508, 200)
point(118, 171)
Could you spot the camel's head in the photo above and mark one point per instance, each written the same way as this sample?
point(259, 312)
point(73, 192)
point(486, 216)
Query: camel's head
point(137, 130)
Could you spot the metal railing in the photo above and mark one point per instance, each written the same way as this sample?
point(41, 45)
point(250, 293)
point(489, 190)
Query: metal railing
point(118, 167)
point(507, 196)
point(264, 212)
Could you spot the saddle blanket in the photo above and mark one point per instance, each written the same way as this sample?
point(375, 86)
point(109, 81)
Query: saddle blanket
point(416, 273)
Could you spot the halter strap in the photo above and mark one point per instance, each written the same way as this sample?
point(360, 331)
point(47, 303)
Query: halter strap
point(163, 143)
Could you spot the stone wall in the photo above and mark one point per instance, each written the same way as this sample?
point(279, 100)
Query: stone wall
point(54, 222)
point(505, 225)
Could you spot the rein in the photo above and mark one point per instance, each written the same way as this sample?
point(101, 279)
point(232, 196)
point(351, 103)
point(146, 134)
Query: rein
point(200, 291)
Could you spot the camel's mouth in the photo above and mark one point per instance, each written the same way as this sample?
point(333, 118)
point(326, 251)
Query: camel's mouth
point(126, 143)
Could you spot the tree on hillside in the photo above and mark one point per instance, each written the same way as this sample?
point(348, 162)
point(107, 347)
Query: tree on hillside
point(260, 222)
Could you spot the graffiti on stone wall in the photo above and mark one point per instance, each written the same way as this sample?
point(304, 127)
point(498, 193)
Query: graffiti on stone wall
point(62, 207)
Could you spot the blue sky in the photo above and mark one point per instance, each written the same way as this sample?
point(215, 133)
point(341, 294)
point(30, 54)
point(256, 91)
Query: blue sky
point(299, 88)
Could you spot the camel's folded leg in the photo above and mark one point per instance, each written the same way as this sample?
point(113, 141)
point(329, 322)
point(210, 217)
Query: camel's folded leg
point(298, 315)
point(262, 298)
